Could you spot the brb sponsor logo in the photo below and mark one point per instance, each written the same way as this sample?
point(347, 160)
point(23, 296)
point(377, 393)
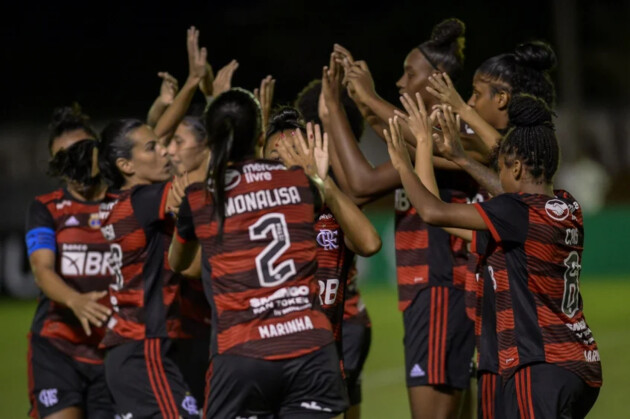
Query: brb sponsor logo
point(401, 202)
point(328, 291)
point(48, 397)
point(77, 260)
point(328, 239)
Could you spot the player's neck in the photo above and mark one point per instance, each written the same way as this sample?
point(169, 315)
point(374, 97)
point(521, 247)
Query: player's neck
point(92, 193)
point(536, 188)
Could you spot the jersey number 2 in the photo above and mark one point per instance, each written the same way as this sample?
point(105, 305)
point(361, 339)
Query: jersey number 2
point(571, 296)
point(276, 225)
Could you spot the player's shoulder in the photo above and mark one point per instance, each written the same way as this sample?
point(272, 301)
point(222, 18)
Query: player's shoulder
point(52, 197)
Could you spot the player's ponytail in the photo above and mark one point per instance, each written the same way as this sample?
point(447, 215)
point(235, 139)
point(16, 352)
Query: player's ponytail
point(526, 70)
point(115, 144)
point(531, 138)
point(233, 123)
point(445, 49)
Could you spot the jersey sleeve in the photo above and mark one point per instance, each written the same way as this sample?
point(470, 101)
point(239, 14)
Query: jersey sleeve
point(185, 226)
point(40, 228)
point(507, 218)
point(480, 241)
point(149, 202)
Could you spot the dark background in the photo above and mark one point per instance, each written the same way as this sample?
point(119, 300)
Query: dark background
point(106, 55)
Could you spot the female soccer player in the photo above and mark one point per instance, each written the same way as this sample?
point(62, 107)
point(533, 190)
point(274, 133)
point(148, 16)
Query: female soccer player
point(356, 328)
point(272, 347)
point(143, 296)
point(69, 259)
point(496, 81)
point(533, 241)
point(342, 231)
point(431, 265)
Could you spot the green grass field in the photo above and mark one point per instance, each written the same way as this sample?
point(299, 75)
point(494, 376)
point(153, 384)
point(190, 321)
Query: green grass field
point(384, 393)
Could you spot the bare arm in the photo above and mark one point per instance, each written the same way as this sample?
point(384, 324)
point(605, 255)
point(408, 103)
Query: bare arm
point(181, 255)
point(168, 122)
point(84, 306)
point(430, 208)
point(194, 270)
point(168, 90)
point(360, 235)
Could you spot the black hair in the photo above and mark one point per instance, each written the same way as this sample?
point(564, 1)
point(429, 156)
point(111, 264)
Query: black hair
point(115, 143)
point(445, 49)
point(308, 103)
point(531, 137)
point(234, 123)
point(284, 118)
point(197, 128)
point(526, 70)
point(66, 119)
point(75, 163)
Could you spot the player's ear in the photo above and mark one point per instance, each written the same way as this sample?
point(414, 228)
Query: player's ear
point(517, 170)
point(125, 166)
point(502, 99)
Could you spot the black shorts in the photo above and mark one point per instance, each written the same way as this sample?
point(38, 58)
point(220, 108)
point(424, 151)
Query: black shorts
point(356, 340)
point(145, 382)
point(547, 391)
point(193, 358)
point(490, 404)
point(439, 339)
point(57, 381)
point(309, 386)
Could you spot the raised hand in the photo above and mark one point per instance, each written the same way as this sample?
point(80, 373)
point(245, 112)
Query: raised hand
point(449, 144)
point(264, 94)
point(360, 82)
point(331, 81)
point(196, 56)
point(442, 88)
point(86, 308)
point(205, 85)
point(310, 154)
point(168, 88)
point(396, 146)
point(223, 80)
point(419, 123)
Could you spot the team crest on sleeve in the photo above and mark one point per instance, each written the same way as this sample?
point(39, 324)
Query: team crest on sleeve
point(557, 209)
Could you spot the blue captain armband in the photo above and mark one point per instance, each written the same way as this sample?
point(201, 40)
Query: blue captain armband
point(40, 238)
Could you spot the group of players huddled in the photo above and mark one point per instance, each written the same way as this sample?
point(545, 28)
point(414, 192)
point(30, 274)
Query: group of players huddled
point(203, 263)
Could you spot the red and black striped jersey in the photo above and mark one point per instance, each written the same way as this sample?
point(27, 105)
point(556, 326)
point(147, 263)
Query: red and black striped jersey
point(472, 270)
point(195, 311)
point(333, 265)
point(144, 290)
point(82, 261)
point(538, 301)
point(354, 308)
point(260, 277)
point(484, 305)
point(427, 255)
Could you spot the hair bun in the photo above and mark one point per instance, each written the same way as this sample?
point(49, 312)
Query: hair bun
point(68, 114)
point(529, 111)
point(537, 55)
point(448, 31)
point(285, 113)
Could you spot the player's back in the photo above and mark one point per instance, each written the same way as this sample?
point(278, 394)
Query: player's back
point(261, 271)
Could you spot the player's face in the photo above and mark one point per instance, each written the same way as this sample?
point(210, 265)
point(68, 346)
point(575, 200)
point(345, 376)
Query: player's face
point(487, 103)
point(148, 157)
point(67, 139)
point(185, 152)
point(271, 148)
point(416, 72)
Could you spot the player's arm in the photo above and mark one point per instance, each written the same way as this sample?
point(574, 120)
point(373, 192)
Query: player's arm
point(184, 248)
point(359, 234)
point(168, 90)
point(41, 246)
point(450, 146)
point(173, 115)
point(420, 124)
point(194, 269)
point(430, 208)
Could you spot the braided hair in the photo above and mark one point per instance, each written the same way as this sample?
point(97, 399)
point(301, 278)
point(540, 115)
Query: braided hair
point(531, 137)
